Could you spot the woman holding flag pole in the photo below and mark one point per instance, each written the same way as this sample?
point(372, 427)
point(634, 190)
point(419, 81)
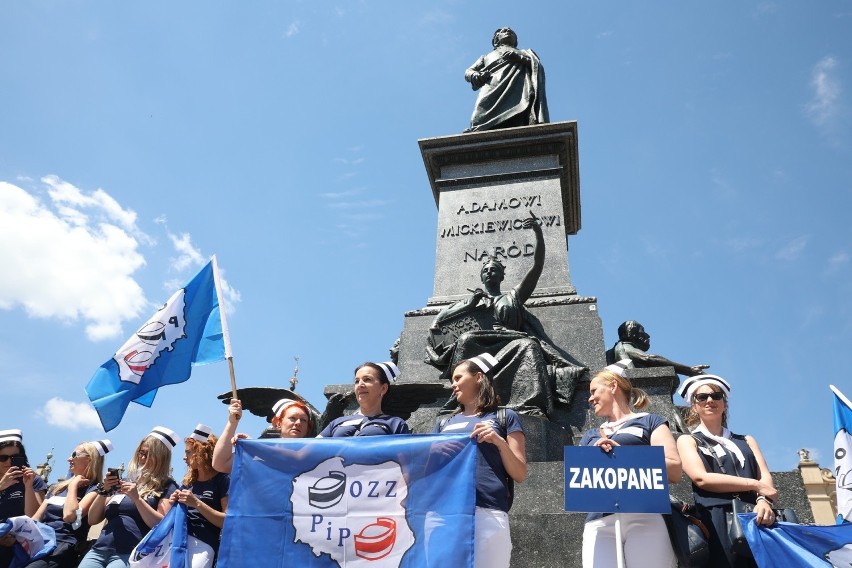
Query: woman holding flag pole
point(609, 539)
point(292, 418)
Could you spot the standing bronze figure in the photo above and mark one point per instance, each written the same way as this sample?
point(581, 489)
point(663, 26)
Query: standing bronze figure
point(510, 82)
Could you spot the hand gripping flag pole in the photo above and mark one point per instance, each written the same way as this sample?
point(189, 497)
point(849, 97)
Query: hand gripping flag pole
point(226, 335)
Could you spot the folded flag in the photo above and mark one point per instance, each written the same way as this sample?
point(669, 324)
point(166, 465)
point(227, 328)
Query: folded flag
point(33, 540)
point(165, 544)
point(186, 331)
point(843, 454)
point(350, 502)
point(783, 545)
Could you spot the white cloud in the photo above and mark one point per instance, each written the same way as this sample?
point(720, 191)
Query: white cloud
point(793, 249)
point(293, 29)
point(188, 254)
point(70, 259)
point(823, 107)
point(364, 204)
point(69, 415)
point(341, 194)
point(838, 261)
point(742, 244)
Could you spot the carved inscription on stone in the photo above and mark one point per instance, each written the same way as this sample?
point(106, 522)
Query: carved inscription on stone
point(477, 218)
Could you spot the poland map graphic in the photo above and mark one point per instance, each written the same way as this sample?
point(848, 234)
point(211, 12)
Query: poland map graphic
point(355, 514)
point(158, 335)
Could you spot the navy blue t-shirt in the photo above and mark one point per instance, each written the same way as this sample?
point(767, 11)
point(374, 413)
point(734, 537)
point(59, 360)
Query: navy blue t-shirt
point(492, 482)
point(710, 451)
point(124, 526)
point(12, 498)
point(211, 492)
point(634, 432)
point(357, 425)
point(53, 516)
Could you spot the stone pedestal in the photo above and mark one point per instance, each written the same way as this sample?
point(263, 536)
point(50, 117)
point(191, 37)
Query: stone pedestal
point(485, 184)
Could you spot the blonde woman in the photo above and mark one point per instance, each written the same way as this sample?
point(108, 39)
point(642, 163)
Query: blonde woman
point(644, 536)
point(134, 505)
point(722, 465)
point(66, 507)
point(205, 493)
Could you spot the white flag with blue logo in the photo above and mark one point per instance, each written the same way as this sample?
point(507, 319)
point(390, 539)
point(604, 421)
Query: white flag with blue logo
point(186, 331)
point(390, 501)
point(33, 540)
point(843, 454)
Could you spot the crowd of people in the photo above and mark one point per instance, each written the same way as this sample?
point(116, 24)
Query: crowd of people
point(720, 465)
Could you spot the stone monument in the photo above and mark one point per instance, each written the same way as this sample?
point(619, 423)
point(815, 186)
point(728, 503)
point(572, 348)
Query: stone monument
point(508, 197)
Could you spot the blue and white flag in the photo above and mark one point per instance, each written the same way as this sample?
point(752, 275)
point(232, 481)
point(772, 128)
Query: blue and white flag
point(33, 540)
point(186, 331)
point(406, 500)
point(843, 454)
point(165, 544)
point(783, 545)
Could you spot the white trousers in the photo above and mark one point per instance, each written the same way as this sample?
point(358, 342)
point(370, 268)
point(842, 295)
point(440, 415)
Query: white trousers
point(199, 552)
point(492, 543)
point(645, 538)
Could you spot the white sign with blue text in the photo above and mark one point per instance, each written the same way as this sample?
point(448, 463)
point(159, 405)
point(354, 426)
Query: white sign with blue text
point(628, 479)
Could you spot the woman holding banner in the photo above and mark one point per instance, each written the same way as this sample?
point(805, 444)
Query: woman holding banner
point(502, 456)
point(134, 505)
point(292, 418)
point(644, 536)
point(205, 493)
point(372, 381)
point(722, 466)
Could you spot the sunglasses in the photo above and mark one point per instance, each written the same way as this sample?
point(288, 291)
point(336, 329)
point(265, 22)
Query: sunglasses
point(703, 396)
point(76, 454)
point(4, 459)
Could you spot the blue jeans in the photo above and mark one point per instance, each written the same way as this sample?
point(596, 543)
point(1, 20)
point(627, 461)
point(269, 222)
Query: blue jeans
point(104, 559)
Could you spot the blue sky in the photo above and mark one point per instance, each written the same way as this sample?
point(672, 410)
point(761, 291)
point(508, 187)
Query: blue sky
point(137, 140)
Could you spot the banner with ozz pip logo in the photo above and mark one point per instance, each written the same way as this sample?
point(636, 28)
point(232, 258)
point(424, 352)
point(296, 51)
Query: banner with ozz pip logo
point(378, 501)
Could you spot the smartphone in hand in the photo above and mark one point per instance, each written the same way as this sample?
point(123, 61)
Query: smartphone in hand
point(19, 461)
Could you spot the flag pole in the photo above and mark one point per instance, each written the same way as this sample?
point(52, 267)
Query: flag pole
point(226, 336)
